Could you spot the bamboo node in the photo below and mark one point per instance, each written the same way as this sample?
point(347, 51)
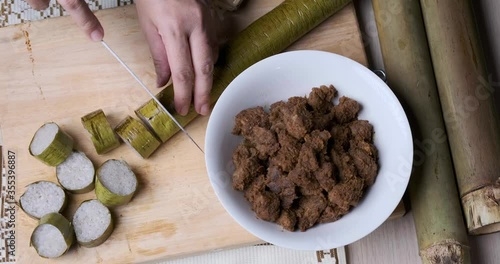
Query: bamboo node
point(482, 210)
point(447, 251)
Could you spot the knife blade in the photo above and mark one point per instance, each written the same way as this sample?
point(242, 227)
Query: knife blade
point(149, 92)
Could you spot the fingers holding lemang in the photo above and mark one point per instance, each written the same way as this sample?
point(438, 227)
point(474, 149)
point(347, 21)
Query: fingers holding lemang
point(179, 57)
point(84, 18)
point(39, 4)
point(160, 58)
point(187, 32)
point(202, 51)
point(156, 48)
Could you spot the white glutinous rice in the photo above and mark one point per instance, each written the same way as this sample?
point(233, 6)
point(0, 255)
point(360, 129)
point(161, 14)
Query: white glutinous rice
point(43, 138)
point(49, 241)
point(92, 223)
point(41, 198)
point(117, 177)
point(76, 173)
point(51, 145)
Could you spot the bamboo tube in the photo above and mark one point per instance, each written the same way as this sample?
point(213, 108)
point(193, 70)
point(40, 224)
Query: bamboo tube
point(268, 35)
point(469, 111)
point(434, 197)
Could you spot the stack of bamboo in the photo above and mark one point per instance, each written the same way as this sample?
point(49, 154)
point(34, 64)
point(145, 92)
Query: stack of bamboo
point(439, 74)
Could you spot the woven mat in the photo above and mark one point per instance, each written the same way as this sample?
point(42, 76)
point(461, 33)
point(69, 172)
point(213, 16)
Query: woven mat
point(18, 11)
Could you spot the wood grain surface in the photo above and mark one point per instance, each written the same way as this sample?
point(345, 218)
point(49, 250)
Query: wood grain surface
point(52, 73)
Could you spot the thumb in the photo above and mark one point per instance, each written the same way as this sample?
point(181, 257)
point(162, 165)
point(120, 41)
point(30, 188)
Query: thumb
point(84, 18)
point(39, 4)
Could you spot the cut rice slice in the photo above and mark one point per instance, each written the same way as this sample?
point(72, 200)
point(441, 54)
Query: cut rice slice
point(41, 198)
point(136, 135)
point(76, 173)
point(51, 145)
point(115, 183)
point(93, 223)
point(53, 236)
point(102, 135)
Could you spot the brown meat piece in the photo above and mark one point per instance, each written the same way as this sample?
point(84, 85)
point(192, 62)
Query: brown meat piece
point(365, 146)
point(347, 110)
point(287, 220)
point(266, 206)
point(309, 210)
point(297, 119)
point(323, 121)
point(307, 161)
point(361, 130)
point(341, 135)
point(324, 175)
point(256, 186)
point(245, 172)
point(265, 142)
point(297, 101)
point(364, 158)
point(288, 142)
point(280, 184)
point(331, 213)
point(320, 99)
point(274, 174)
point(308, 185)
point(276, 116)
point(247, 119)
point(347, 194)
point(283, 161)
point(307, 158)
point(288, 154)
point(345, 165)
point(243, 151)
point(318, 140)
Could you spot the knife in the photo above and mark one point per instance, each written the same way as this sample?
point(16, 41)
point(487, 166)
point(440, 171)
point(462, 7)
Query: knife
point(149, 92)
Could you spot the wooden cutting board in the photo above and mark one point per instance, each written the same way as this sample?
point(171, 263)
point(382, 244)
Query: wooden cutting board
point(50, 72)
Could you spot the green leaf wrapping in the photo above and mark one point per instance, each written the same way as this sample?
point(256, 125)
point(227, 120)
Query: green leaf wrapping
point(106, 196)
point(136, 135)
point(101, 239)
point(156, 119)
point(85, 189)
point(63, 206)
point(102, 135)
point(58, 150)
point(62, 224)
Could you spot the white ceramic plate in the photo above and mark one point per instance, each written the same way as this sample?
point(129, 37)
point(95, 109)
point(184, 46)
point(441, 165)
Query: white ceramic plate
point(294, 74)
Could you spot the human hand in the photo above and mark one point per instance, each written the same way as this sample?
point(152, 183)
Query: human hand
point(182, 40)
point(81, 14)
